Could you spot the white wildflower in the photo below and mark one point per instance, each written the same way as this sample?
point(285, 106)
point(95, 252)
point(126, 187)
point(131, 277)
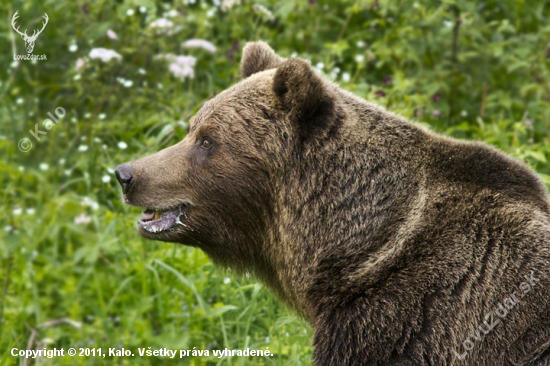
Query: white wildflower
point(142, 9)
point(180, 66)
point(43, 166)
point(199, 43)
point(359, 58)
point(447, 23)
point(346, 77)
point(334, 73)
point(82, 219)
point(30, 211)
point(162, 23)
point(19, 101)
point(211, 12)
point(171, 13)
point(102, 116)
point(104, 54)
point(360, 44)
point(106, 178)
point(226, 280)
point(464, 113)
point(228, 4)
point(73, 47)
point(181, 71)
point(87, 202)
point(83, 148)
point(262, 10)
point(111, 34)
point(320, 66)
point(126, 83)
point(81, 62)
point(17, 211)
point(122, 145)
point(130, 12)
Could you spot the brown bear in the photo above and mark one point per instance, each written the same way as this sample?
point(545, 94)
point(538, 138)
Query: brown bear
point(400, 246)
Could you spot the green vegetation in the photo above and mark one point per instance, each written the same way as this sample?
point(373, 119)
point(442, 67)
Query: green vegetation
point(68, 248)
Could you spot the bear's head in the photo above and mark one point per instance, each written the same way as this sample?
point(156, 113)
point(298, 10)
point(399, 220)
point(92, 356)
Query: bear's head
point(219, 187)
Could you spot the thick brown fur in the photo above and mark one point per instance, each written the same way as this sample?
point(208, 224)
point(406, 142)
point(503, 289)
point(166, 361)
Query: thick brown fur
point(394, 242)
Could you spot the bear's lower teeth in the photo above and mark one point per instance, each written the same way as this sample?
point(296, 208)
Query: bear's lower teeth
point(157, 215)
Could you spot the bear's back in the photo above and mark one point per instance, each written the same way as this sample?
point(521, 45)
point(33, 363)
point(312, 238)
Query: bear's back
point(479, 166)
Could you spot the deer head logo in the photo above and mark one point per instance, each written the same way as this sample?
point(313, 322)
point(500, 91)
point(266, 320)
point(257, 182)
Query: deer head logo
point(29, 40)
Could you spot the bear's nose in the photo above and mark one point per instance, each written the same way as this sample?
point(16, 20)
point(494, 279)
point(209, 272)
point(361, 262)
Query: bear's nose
point(124, 176)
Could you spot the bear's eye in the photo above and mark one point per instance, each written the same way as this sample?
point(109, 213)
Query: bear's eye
point(206, 143)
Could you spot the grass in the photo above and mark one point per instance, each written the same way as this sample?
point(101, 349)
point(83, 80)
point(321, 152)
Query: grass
point(73, 270)
point(121, 291)
point(97, 284)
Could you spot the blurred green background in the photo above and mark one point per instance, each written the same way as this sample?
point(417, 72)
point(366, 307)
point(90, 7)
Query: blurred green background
point(73, 270)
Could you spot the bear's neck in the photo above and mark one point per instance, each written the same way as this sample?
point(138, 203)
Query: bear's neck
point(343, 198)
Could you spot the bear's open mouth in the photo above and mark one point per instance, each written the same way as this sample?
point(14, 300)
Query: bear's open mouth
point(155, 221)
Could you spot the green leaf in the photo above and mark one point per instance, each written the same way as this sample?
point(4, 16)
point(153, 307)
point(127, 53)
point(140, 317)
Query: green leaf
point(537, 155)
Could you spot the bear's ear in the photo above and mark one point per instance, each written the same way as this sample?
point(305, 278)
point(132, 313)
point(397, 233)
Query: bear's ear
point(304, 96)
point(258, 56)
